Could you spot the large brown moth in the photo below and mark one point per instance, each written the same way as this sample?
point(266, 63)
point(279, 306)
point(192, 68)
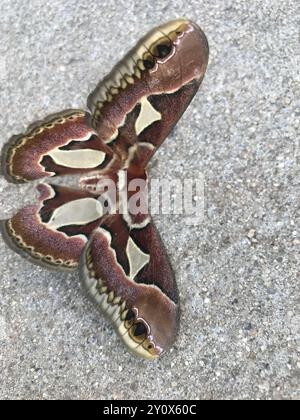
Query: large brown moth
point(122, 262)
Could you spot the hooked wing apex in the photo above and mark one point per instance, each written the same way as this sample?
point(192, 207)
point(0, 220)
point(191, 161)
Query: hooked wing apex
point(127, 275)
point(123, 264)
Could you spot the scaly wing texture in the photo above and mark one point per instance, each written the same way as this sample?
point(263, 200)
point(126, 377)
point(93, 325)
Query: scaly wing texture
point(134, 108)
point(127, 274)
point(54, 232)
point(124, 266)
point(61, 144)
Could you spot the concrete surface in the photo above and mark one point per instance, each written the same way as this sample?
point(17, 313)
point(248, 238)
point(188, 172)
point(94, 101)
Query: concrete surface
point(238, 272)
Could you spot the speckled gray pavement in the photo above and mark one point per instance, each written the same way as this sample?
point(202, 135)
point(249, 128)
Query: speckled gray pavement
point(238, 271)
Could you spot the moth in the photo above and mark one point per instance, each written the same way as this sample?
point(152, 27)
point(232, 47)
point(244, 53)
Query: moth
point(122, 262)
